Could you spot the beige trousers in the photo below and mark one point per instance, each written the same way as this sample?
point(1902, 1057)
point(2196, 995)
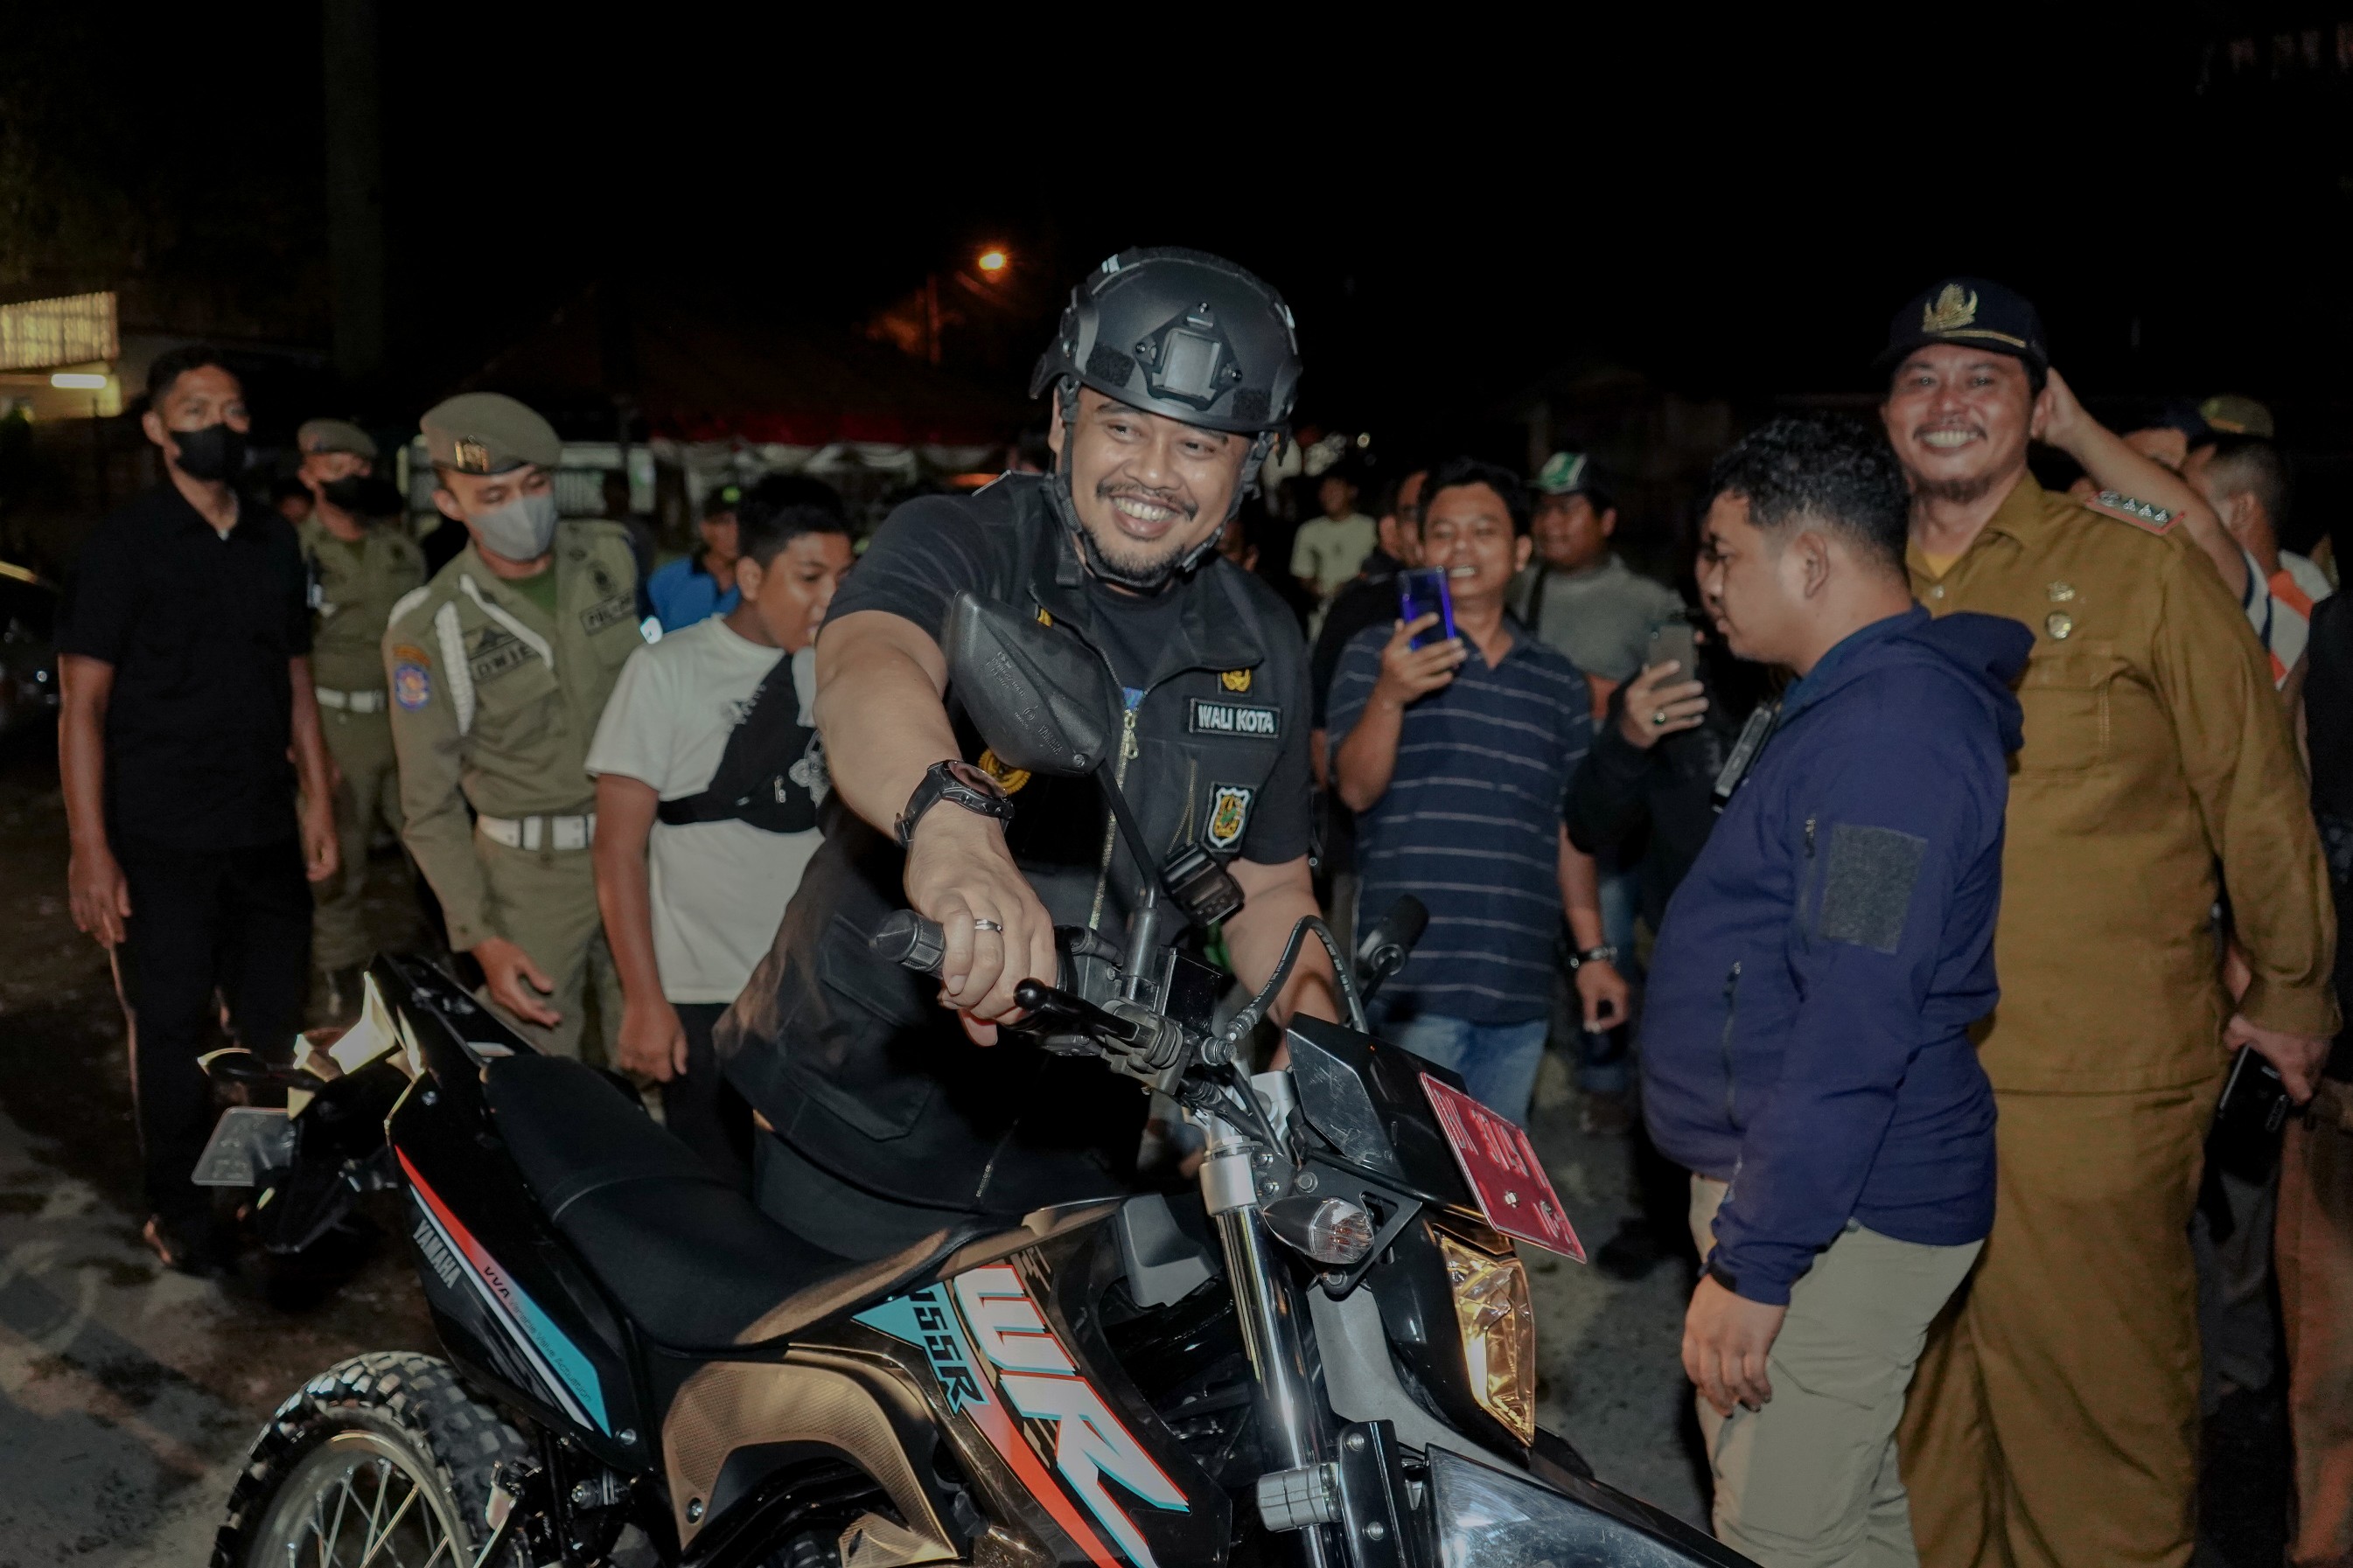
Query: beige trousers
point(361, 745)
point(544, 901)
point(1812, 1479)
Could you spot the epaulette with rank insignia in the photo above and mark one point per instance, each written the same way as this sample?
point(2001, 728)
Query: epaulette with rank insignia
point(2139, 513)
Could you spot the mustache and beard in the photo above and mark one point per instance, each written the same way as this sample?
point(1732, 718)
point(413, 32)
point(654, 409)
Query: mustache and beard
point(1141, 558)
point(1962, 490)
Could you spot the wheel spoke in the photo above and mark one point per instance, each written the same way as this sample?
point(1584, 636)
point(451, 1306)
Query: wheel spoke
point(391, 1524)
point(335, 1535)
point(375, 1508)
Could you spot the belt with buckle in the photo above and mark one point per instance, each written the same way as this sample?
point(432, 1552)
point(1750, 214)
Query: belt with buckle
point(351, 702)
point(539, 832)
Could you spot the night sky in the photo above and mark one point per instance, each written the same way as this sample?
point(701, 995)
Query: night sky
point(1452, 219)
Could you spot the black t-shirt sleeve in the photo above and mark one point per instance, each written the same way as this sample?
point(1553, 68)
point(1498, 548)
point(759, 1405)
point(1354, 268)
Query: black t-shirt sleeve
point(924, 554)
point(102, 597)
point(1281, 824)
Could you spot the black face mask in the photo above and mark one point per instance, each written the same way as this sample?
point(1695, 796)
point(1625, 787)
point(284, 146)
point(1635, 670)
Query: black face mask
point(214, 453)
point(348, 494)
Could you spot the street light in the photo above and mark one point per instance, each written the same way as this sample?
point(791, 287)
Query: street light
point(992, 261)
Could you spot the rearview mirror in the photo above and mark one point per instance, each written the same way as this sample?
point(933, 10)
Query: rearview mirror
point(1042, 701)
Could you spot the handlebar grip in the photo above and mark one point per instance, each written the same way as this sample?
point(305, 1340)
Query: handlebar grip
point(907, 938)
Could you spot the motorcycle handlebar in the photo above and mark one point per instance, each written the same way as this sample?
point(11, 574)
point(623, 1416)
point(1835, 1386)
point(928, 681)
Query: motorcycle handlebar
point(907, 938)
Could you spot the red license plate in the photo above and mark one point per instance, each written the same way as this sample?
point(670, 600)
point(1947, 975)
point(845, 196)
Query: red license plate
point(1503, 1169)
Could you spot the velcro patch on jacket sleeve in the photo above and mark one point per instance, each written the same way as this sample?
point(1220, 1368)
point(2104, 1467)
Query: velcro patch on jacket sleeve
point(1867, 884)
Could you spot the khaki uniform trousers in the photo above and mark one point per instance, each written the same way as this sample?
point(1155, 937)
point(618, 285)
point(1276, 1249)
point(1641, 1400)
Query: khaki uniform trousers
point(361, 745)
point(2315, 1277)
point(1811, 1479)
point(544, 901)
point(2054, 1418)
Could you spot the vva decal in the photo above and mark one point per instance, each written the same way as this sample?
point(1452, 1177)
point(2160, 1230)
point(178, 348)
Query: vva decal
point(1040, 1381)
point(567, 1373)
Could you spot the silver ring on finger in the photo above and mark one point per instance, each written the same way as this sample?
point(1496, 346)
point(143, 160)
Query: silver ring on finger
point(1659, 720)
point(987, 925)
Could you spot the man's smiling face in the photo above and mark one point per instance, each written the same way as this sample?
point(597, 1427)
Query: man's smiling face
point(1959, 418)
point(1147, 487)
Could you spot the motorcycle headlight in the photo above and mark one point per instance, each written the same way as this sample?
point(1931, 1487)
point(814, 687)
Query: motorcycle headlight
point(1489, 1519)
point(1499, 1332)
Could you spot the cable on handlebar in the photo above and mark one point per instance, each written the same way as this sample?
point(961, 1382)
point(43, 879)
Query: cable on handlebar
point(1247, 1018)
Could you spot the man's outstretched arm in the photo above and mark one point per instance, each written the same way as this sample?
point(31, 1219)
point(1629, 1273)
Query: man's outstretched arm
point(881, 680)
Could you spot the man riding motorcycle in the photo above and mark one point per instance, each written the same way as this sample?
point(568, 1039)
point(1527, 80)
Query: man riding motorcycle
point(1173, 375)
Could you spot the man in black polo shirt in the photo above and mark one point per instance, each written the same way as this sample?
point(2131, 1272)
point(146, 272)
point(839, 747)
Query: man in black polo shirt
point(184, 643)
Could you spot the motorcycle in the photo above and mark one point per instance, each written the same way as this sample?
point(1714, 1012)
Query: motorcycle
point(1324, 1354)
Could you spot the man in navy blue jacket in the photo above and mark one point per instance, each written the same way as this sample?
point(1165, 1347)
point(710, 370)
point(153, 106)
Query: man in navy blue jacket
point(1807, 1054)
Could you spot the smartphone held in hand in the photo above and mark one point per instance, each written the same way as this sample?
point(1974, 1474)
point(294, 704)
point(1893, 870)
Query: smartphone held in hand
point(1422, 590)
point(1674, 640)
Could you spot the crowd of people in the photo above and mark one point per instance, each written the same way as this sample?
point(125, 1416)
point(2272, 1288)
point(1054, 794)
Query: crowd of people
point(1916, 888)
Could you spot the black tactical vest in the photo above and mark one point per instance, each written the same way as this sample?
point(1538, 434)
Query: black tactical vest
point(851, 1058)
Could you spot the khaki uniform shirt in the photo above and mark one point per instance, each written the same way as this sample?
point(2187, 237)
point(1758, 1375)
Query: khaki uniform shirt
point(353, 590)
point(2155, 755)
point(494, 703)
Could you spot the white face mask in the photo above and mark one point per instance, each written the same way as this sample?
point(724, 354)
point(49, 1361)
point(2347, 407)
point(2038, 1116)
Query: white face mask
point(521, 529)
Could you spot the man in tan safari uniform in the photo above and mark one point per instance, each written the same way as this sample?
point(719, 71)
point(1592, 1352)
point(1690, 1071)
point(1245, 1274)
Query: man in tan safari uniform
point(499, 670)
point(2054, 1418)
point(357, 571)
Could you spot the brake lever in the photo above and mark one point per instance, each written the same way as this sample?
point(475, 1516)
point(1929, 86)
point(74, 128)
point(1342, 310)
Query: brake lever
point(1048, 1008)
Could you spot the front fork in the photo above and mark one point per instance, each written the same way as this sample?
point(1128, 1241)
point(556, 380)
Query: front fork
point(1236, 1175)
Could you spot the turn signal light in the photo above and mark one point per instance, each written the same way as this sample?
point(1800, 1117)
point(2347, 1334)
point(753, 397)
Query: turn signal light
point(1332, 1231)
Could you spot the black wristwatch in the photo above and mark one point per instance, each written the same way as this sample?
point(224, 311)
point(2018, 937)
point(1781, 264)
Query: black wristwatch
point(1602, 955)
point(958, 784)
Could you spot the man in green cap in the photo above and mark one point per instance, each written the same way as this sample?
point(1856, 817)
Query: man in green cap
point(358, 570)
point(499, 670)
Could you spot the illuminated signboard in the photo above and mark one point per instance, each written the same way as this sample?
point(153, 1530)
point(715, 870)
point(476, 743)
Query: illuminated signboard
point(75, 329)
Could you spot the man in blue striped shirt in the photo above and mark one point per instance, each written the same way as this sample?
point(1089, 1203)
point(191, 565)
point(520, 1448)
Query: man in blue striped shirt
point(1456, 757)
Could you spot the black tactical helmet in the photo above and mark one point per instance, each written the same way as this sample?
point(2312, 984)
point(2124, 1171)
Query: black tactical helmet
point(1183, 333)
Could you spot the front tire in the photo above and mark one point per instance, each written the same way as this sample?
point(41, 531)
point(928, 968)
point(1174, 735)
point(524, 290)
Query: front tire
point(386, 1455)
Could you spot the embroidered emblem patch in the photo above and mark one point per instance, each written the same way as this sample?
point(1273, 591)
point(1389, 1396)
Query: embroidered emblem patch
point(1010, 780)
point(1235, 680)
point(1207, 718)
point(1953, 308)
point(411, 652)
point(412, 685)
point(497, 653)
point(1229, 807)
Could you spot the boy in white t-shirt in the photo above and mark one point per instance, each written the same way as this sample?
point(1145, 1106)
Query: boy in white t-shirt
point(694, 880)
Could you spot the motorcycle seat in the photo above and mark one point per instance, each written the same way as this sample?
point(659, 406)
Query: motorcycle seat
point(693, 1261)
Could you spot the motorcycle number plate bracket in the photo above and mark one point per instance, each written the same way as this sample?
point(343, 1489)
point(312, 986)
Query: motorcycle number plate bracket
point(1505, 1173)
